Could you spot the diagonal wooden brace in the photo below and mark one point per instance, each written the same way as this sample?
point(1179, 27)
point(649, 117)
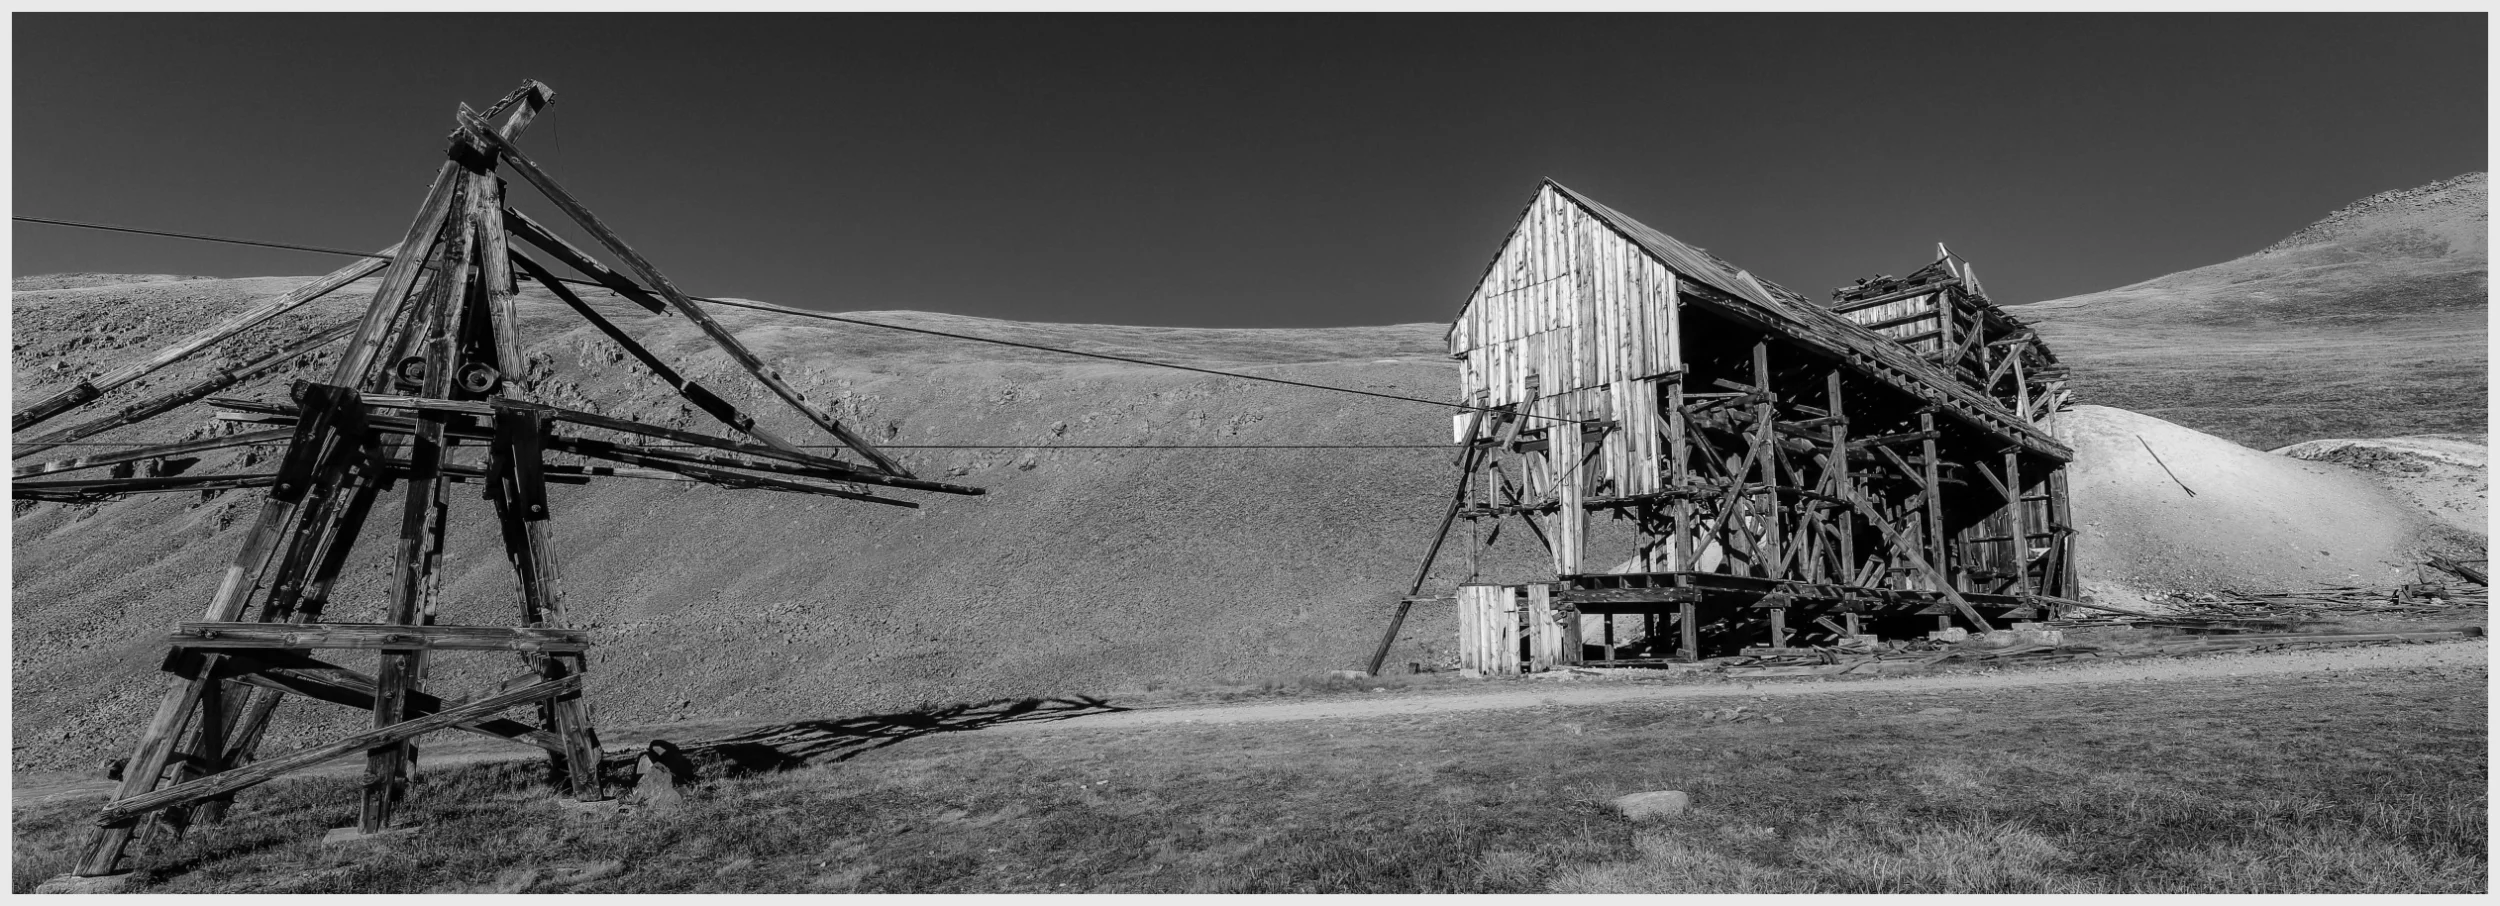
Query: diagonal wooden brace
point(658, 283)
point(126, 810)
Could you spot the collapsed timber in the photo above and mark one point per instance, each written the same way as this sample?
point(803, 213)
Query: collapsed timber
point(2236, 611)
point(2198, 627)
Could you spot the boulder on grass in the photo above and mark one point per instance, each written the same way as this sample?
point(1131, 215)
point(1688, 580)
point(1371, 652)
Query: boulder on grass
point(1654, 804)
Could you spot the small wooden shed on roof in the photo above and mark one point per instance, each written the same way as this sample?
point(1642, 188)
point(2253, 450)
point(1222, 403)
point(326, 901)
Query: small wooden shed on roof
point(1763, 460)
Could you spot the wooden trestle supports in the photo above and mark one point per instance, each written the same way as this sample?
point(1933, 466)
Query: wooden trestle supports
point(1768, 500)
point(424, 371)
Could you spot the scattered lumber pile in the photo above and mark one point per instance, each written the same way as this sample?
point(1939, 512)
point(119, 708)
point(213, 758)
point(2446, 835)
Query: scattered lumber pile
point(2266, 611)
point(2193, 623)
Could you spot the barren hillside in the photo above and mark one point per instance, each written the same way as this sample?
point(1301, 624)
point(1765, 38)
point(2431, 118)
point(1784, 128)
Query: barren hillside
point(1089, 570)
point(2368, 323)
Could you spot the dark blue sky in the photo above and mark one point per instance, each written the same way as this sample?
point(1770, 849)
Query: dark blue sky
point(1247, 171)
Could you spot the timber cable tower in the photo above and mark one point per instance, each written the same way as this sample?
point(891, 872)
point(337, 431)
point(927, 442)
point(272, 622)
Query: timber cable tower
point(427, 370)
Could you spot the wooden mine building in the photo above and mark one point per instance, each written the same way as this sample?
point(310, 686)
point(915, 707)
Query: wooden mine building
point(1716, 462)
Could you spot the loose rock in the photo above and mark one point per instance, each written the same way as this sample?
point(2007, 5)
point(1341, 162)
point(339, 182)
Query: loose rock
point(1653, 804)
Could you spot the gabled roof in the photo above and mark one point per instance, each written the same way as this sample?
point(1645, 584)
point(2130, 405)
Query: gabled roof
point(1693, 262)
point(1783, 309)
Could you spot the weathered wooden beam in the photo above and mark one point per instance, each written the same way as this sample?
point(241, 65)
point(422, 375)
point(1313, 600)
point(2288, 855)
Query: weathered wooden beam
point(1846, 306)
point(129, 808)
point(1432, 552)
point(398, 280)
point(2460, 568)
point(417, 555)
point(703, 398)
point(296, 674)
point(621, 452)
point(554, 246)
point(80, 489)
point(163, 403)
point(1886, 440)
point(155, 452)
point(89, 389)
point(382, 636)
point(1668, 595)
point(521, 507)
point(726, 477)
point(658, 283)
point(1892, 537)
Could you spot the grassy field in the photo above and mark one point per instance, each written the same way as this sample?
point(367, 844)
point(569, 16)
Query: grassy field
point(2352, 782)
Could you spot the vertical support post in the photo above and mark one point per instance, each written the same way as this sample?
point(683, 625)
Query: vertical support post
point(390, 767)
point(1840, 471)
point(1766, 415)
point(2022, 386)
point(1938, 546)
point(520, 494)
point(2061, 524)
point(1779, 627)
point(315, 456)
point(1688, 624)
point(325, 550)
point(2019, 544)
point(1679, 465)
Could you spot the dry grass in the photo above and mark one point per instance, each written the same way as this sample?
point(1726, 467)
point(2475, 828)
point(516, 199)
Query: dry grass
point(2370, 782)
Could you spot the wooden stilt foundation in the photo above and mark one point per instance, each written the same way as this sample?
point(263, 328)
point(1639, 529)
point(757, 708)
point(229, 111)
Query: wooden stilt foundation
point(1706, 450)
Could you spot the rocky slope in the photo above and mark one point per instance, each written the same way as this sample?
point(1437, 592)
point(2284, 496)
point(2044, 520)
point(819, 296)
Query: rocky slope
point(2368, 323)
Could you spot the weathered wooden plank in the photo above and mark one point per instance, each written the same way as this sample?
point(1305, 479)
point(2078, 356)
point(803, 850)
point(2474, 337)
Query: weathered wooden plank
point(1506, 636)
point(191, 393)
point(89, 389)
point(703, 398)
point(382, 636)
point(658, 283)
point(520, 498)
point(154, 452)
point(587, 419)
point(127, 809)
point(1544, 646)
point(1908, 551)
point(417, 555)
point(333, 684)
point(729, 478)
point(399, 278)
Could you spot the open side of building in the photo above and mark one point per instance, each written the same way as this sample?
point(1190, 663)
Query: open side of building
point(1714, 462)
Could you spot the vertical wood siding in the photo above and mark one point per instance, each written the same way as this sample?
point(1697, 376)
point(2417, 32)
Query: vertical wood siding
point(1593, 318)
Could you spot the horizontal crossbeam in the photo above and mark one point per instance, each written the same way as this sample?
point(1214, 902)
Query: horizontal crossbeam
point(312, 678)
point(381, 636)
point(124, 811)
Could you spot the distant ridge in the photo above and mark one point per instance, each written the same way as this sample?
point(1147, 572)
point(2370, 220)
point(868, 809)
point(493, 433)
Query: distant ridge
point(2464, 198)
point(2367, 323)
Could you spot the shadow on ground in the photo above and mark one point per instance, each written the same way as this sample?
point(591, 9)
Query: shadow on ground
point(786, 746)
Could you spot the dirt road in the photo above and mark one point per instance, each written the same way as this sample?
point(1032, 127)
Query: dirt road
point(1533, 693)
